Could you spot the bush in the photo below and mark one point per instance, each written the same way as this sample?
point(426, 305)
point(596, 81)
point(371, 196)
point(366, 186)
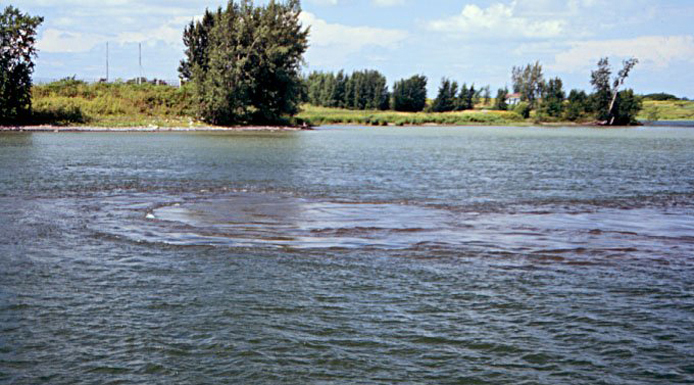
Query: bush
point(522, 109)
point(59, 111)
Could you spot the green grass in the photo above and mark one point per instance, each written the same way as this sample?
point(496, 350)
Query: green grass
point(326, 116)
point(667, 110)
point(75, 103)
point(70, 102)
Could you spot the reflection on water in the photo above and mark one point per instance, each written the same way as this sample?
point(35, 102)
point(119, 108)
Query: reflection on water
point(348, 255)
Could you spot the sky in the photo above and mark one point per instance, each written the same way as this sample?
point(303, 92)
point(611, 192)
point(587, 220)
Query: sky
point(472, 41)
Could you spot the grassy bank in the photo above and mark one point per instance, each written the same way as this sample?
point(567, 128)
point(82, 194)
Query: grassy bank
point(667, 110)
point(70, 102)
point(323, 116)
point(74, 103)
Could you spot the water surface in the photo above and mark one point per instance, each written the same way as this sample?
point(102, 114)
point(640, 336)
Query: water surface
point(348, 255)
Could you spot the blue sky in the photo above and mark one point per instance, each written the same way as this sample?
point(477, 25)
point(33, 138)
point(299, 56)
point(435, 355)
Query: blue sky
point(467, 40)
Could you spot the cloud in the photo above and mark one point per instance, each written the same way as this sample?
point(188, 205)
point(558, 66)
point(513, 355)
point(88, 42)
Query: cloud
point(55, 40)
point(653, 51)
point(378, 3)
point(336, 41)
point(58, 40)
point(387, 3)
point(497, 20)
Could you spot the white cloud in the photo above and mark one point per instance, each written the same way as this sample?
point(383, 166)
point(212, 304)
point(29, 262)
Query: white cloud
point(653, 51)
point(55, 40)
point(170, 33)
point(342, 40)
point(498, 20)
point(387, 3)
point(378, 3)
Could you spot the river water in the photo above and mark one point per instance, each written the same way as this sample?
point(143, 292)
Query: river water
point(348, 255)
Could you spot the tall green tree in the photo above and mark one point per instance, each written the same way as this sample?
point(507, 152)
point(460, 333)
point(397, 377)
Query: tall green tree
point(529, 82)
point(410, 95)
point(253, 54)
point(445, 100)
point(500, 102)
point(461, 99)
point(553, 96)
point(17, 39)
point(606, 96)
point(196, 38)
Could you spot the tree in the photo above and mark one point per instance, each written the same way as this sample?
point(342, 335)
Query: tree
point(196, 38)
point(500, 103)
point(553, 99)
point(410, 95)
point(577, 105)
point(362, 90)
point(445, 101)
point(626, 106)
point(607, 94)
point(661, 96)
point(529, 82)
point(619, 81)
point(486, 95)
point(466, 98)
point(461, 100)
point(253, 55)
point(600, 79)
point(17, 39)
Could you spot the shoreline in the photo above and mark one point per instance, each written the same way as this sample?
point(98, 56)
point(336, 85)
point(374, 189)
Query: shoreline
point(51, 128)
point(155, 129)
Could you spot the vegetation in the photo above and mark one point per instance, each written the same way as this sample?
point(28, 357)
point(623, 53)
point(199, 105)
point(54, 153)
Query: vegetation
point(552, 105)
point(578, 106)
point(242, 66)
point(500, 103)
point(73, 102)
point(325, 115)
point(363, 90)
point(667, 110)
point(244, 63)
point(17, 38)
point(449, 99)
point(529, 82)
point(662, 96)
point(410, 95)
point(611, 106)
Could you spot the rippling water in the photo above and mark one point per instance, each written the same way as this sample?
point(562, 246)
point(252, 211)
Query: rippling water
point(348, 255)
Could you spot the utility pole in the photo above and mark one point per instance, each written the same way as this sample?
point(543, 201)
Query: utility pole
point(139, 80)
point(106, 62)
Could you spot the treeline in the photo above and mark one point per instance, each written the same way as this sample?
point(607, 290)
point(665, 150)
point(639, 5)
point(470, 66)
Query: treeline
point(606, 105)
point(449, 98)
point(543, 99)
point(365, 90)
point(362, 90)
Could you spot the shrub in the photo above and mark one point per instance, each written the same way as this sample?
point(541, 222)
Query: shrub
point(522, 109)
